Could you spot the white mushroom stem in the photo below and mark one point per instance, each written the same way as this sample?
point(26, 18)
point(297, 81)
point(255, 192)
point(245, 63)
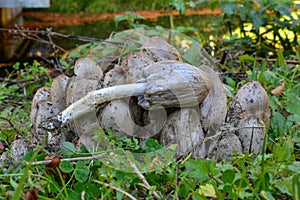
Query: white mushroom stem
point(90, 102)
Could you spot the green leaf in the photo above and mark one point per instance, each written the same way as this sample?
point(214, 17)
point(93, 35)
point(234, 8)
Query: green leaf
point(247, 58)
point(93, 190)
point(293, 103)
point(207, 190)
point(296, 187)
point(228, 7)
point(183, 191)
point(81, 174)
point(295, 167)
point(228, 176)
point(68, 149)
point(81, 171)
point(66, 166)
point(79, 187)
point(267, 195)
point(198, 169)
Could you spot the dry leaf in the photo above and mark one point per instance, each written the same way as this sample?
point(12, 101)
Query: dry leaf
point(53, 166)
point(31, 195)
point(278, 90)
point(2, 147)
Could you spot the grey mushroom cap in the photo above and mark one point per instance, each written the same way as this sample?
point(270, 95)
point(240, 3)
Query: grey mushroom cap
point(251, 99)
point(251, 132)
point(116, 116)
point(184, 129)
point(42, 94)
point(58, 91)
point(157, 49)
point(226, 146)
point(135, 63)
point(175, 84)
point(88, 69)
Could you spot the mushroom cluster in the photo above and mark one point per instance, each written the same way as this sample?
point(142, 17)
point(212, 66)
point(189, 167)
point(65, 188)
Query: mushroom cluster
point(151, 94)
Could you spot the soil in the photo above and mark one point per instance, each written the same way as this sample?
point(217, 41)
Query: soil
point(42, 19)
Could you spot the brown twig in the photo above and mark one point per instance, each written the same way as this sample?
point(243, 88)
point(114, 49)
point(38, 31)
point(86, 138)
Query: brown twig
point(94, 157)
point(275, 59)
point(51, 33)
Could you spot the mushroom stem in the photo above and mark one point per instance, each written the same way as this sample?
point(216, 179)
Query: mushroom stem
point(89, 103)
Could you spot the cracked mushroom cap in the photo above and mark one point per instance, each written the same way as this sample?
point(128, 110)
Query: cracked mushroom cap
point(175, 84)
point(251, 132)
point(46, 109)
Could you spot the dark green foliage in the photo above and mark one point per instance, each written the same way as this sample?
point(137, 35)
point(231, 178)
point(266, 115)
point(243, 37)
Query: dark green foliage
point(264, 26)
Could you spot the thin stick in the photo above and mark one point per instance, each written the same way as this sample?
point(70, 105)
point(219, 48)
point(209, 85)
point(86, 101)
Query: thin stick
point(23, 32)
point(94, 157)
point(141, 177)
point(115, 188)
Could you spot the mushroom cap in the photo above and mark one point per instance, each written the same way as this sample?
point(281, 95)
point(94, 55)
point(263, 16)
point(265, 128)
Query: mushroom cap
point(88, 69)
point(58, 91)
point(116, 76)
point(42, 94)
point(251, 99)
point(175, 84)
point(213, 109)
point(157, 49)
point(135, 63)
point(116, 116)
point(182, 128)
point(251, 132)
point(78, 87)
point(46, 109)
point(225, 146)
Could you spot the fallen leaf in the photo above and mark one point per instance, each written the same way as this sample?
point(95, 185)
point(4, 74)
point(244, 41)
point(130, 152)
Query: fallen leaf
point(53, 166)
point(2, 147)
point(31, 195)
point(278, 90)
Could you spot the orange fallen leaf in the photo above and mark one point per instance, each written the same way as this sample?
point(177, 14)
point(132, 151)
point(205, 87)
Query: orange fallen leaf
point(278, 90)
point(31, 195)
point(2, 147)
